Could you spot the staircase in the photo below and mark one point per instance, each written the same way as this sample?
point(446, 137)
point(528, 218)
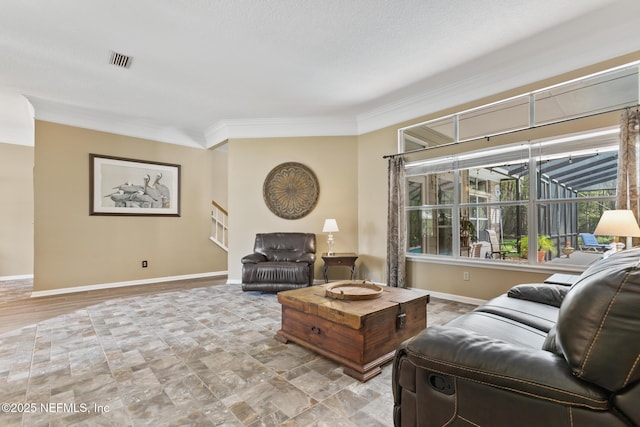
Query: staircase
point(219, 226)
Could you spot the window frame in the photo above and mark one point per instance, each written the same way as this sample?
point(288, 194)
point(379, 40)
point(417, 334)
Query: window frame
point(446, 133)
point(543, 199)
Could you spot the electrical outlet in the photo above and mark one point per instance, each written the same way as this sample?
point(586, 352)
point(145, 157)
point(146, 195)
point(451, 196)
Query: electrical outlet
point(465, 275)
point(144, 264)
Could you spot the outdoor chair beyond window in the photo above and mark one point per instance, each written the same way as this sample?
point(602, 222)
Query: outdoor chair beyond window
point(475, 251)
point(496, 248)
point(590, 243)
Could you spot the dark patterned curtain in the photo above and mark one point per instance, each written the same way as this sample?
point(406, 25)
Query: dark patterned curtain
point(396, 224)
point(629, 164)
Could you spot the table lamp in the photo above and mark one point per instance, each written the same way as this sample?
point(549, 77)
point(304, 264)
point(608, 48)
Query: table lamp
point(330, 226)
point(618, 223)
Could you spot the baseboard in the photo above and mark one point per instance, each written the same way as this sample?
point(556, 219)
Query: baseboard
point(457, 298)
point(100, 286)
point(19, 277)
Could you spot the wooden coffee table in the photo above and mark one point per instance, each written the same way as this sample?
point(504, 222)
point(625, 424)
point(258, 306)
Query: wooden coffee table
point(360, 335)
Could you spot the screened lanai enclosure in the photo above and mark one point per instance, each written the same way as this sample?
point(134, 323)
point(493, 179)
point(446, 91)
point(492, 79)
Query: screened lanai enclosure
point(571, 191)
point(503, 202)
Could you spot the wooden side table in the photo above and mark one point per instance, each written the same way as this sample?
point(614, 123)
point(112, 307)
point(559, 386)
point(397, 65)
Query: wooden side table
point(344, 259)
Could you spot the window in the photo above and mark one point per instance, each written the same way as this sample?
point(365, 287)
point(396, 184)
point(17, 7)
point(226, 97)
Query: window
point(610, 90)
point(508, 202)
point(489, 199)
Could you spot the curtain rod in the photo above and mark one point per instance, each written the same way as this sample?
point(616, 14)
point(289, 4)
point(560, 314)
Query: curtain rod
point(488, 138)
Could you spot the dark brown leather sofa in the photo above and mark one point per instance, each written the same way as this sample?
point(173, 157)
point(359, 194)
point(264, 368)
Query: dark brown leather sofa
point(279, 262)
point(541, 355)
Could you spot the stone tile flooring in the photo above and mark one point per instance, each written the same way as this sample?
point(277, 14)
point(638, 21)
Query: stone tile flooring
point(197, 357)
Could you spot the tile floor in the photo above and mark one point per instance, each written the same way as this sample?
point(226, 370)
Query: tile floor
point(198, 357)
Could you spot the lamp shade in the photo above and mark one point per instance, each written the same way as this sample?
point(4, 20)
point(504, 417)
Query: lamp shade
point(330, 226)
point(618, 222)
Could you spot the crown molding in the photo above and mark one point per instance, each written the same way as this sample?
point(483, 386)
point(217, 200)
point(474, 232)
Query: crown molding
point(280, 127)
point(16, 118)
point(213, 137)
point(413, 107)
point(56, 112)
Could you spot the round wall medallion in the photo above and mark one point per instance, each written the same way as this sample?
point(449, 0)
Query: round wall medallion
point(290, 190)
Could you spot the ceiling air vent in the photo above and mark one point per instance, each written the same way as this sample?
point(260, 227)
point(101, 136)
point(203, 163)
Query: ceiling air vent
point(120, 60)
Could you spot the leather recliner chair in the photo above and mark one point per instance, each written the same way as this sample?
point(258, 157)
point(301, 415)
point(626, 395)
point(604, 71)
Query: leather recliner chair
point(551, 356)
point(280, 261)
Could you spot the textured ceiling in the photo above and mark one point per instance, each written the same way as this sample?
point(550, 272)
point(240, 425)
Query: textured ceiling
point(206, 70)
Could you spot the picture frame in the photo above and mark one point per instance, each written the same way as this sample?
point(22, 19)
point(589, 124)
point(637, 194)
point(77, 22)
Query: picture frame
point(132, 187)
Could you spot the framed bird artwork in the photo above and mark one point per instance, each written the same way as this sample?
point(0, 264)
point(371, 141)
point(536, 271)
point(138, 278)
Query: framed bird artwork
point(121, 186)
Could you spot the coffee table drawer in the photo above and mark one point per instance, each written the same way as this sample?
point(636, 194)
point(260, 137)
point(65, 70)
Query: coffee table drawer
point(335, 338)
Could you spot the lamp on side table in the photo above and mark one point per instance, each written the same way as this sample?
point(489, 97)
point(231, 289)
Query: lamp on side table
point(618, 223)
point(330, 226)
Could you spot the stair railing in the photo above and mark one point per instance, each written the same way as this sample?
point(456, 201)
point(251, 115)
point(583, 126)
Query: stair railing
point(219, 226)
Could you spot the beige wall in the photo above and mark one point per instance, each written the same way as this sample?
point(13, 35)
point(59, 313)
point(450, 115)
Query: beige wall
point(372, 200)
point(73, 248)
point(16, 210)
point(334, 162)
point(484, 282)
